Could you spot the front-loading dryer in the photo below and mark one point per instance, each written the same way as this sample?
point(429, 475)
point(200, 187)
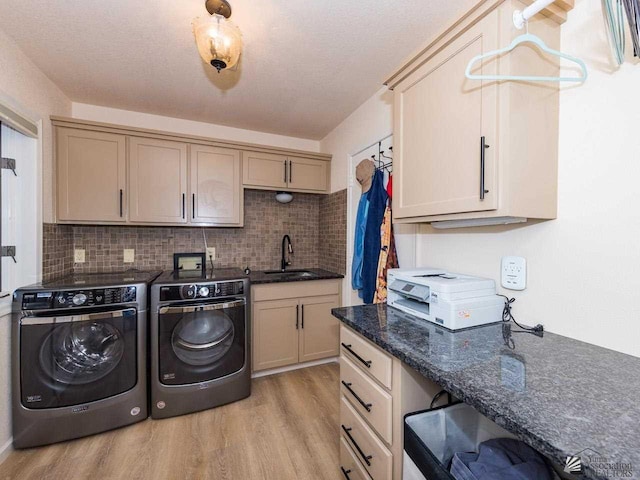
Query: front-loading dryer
point(79, 356)
point(200, 355)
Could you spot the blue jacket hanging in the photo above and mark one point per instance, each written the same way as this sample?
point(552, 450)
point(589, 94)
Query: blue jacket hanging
point(358, 247)
point(377, 197)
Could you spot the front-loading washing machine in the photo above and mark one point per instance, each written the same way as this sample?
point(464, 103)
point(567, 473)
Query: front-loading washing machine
point(200, 341)
point(79, 356)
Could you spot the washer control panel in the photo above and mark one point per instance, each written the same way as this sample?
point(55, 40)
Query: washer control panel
point(203, 290)
point(47, 300)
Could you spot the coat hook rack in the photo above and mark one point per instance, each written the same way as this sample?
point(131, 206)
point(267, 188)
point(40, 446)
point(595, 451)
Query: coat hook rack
point(380, 162)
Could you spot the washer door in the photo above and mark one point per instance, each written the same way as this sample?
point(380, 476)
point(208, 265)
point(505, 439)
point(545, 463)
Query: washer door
point(203, 337)
point(68, 360)
point(201, 342)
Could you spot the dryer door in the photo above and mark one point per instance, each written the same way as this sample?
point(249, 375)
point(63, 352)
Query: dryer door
point(74, 359)
point(198, 343)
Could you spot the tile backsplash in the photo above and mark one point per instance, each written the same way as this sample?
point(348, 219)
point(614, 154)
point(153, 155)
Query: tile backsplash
point(333, 232)
point(312, 221)
point(57, 249)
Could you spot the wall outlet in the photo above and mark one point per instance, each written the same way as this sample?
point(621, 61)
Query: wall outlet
point(211, 253)
point(79, 255)
point(514, 273)
point(129, 255)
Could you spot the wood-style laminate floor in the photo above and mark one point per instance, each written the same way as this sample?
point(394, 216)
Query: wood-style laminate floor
point(287, 429)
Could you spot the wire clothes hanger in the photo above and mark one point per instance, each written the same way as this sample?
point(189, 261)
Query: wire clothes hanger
point(527, 38)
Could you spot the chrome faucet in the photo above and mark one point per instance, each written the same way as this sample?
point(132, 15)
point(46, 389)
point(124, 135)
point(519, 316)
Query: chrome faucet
point(286, 240)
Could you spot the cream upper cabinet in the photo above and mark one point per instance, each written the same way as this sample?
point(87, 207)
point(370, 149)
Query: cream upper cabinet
point(308, 174)
point(157, 181)
point(215, 186)
point(441, 118)
point(469, 149)
point(289, 173)
point(264, 170)
point(114, 174)
point(319, 330)
point(91, 176)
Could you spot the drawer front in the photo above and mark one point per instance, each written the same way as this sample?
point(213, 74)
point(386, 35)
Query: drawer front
point(368, 357)
point(369, 450)
point(369, 399)
point(350, 467)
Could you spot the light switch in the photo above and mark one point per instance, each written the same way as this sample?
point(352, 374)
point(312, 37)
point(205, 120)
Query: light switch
point(78, 255)
point(514, 273)
point(129, 255)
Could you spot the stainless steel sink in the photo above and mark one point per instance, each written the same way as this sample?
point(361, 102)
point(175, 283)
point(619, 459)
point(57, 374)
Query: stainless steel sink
point(292, 273)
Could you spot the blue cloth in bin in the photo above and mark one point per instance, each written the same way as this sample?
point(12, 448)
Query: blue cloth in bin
point(501, 459)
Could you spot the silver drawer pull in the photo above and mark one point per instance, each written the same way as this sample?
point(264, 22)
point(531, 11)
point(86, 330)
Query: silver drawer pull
point(367, 406)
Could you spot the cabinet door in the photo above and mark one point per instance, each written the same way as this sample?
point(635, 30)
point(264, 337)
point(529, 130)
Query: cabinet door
point(264, 170)
point(275, 334)
point(440, 117)
point(308, 174)
point(319, 330)
point(216, 186)
point(91, 176)
point(157, 181)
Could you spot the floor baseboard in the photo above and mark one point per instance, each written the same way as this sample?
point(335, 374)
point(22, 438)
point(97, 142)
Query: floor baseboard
point(6, 450)
point(297, 366)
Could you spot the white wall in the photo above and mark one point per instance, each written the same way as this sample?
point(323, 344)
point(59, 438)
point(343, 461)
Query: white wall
point(583, 267)
point(188, 127)
point(349, 142)
point(25, 88)
point(31, 94)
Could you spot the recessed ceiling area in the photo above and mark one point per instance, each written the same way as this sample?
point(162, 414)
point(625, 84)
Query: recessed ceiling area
point(305, 65)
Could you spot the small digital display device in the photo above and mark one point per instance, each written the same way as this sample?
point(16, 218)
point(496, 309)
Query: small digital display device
point(194, 262)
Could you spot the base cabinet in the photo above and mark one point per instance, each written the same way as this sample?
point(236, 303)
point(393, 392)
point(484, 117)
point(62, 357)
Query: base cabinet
point(275, 337)
point(376, 392)
point(292, 323)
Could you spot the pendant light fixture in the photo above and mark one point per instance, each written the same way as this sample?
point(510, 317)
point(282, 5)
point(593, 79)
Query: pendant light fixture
point(219, 40)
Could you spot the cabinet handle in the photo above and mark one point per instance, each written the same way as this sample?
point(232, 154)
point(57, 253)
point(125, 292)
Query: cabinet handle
point(193, 205)
point(346, 473)
point(184, 200)
point(121, 194)
point(483, 147)
point(364, 456)
point(367, 406)
point(285, 171)
point(290, 171)
point(302, 316)
point(297, 315)
point(367, 363)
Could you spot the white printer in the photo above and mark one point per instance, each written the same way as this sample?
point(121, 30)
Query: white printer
point(451, 300)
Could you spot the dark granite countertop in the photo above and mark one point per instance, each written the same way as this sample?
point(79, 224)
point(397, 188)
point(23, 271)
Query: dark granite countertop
point(559, 395)
point(259, 277)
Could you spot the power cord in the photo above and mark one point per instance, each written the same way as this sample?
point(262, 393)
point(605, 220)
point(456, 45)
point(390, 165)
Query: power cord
point(507, 317)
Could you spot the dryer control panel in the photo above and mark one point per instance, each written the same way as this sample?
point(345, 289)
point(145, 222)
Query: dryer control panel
point(201, 290)
point(47, 300)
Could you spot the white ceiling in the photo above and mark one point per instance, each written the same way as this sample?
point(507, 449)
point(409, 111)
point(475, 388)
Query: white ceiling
point(306, 64)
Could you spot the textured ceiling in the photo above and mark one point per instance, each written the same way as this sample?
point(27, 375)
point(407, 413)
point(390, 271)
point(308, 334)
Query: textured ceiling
point(306, 64)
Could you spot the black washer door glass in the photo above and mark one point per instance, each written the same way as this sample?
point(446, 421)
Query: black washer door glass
point(83, 352)
point(202, 337)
